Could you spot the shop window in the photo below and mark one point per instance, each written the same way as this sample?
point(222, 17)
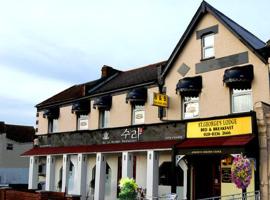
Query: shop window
point(103, 118)
point(241, 100)
point(59, 184)
point(208, 50)
point(166, 176)
point(82, 122)
point(190, 107)
point(138, 114)
point(53, 125)
point(9, 146)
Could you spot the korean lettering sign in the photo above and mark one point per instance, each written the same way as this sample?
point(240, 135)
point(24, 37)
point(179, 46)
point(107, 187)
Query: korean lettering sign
point(161, 100)
point(220, 127)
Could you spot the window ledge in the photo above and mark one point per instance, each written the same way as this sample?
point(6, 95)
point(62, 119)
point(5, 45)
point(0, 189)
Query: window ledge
point(210, 58)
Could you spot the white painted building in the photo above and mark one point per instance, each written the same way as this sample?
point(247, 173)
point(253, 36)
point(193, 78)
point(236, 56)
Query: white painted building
point(14, 140)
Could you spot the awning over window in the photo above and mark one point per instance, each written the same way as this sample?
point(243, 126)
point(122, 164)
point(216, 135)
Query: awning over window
point(103, 102)
point(81, 107)
point(190, 86)
point(239, 77)
point(137, 96)
point(51, 113)
point(215, 145)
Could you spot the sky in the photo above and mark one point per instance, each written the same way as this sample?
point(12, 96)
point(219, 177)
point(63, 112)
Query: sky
point(49, 45)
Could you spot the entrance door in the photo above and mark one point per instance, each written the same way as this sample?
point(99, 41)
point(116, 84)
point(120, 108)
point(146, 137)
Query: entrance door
point(206, 176)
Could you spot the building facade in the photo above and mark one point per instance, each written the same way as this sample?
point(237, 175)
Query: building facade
point(14, 140)
point(173, 126)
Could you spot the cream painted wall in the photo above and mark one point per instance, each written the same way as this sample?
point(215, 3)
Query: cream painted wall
point(42, 124)
point(67, 120)
point(151, 112)
point(141, 164)
point(93, 118)
point(214, 93)
point(120, 113)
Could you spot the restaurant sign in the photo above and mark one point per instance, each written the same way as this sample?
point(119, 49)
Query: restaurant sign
point(161, 100)
point(220, 127)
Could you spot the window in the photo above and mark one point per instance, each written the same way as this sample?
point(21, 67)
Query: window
point(53, 125)
point(103, 118)
point(241, 100)
point(138, 114)
point(190, 107)
point(82, 122)
point(208, 50)
point(9, 146)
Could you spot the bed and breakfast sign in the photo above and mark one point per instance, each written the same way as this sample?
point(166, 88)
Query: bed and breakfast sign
point(220, 127)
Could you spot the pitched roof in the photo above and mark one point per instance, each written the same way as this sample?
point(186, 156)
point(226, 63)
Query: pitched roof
point(119, 80)
point(17, 133)
point(250, 40)
point(125, 79)
point(72, 93)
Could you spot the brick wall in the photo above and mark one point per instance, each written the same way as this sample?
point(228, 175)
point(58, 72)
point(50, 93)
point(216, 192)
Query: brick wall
point(9, 194)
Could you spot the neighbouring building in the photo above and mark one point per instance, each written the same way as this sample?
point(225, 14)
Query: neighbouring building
point(173, 126)
point(14, 140)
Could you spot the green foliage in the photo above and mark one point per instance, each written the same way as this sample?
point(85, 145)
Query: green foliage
point(128, 189)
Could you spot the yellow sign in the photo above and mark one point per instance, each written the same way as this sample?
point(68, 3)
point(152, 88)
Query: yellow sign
point(160, 100)
point(220, 127)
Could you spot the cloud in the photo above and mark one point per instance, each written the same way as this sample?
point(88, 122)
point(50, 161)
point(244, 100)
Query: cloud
point(27, 87)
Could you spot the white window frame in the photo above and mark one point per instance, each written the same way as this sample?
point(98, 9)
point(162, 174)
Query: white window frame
point(137, 108)
point(234, 94)
point(52, 125)
point(190, 100)
point(104, 118)
point(211, 46)
point(80, 118)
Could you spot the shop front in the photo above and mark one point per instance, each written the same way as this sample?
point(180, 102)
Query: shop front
point(208, 151)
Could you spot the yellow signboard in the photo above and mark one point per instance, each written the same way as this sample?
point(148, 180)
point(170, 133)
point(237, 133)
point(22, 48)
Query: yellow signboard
point(160, 100)
point(220, 127)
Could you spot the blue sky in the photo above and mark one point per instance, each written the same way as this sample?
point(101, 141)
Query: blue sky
point(49, 45)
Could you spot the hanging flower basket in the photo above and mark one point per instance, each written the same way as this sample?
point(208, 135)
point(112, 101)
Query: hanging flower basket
point(241, 171)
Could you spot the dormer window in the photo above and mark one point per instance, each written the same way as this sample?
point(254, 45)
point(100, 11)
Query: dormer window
point(208, 50)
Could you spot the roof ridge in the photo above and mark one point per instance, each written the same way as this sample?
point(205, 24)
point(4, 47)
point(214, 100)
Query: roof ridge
point(149, 65)
point(231, 20)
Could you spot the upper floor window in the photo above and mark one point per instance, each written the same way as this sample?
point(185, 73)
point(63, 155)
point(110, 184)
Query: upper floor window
point(190, 89)
point(241, 100)
point(52, 125)
point(239, 80)
point(103, 118)
point(82, 122)
point(190, 107)
point(208, 50)
point(138, 114)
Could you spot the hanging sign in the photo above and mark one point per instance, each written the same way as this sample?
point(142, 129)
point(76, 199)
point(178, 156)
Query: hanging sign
point(161, 100)
point(220, 127)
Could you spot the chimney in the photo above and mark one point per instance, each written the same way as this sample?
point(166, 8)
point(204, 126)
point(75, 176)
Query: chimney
point(107, 71)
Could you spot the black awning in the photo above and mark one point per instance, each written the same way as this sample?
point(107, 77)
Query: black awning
point(81, 107)
point(189, 86)
point(103, 102)
point(51, 113)
point(137, 96)
point(239, 77)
